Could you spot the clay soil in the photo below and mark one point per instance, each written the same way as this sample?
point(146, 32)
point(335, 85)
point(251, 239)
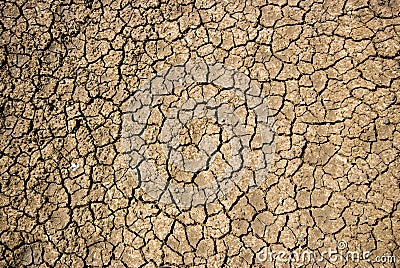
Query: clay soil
point(329, 71)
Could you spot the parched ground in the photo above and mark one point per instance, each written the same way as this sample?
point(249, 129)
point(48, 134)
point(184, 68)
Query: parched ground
point(329, 70)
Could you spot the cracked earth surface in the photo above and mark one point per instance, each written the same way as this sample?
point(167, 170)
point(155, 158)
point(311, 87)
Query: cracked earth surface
point(329, 71)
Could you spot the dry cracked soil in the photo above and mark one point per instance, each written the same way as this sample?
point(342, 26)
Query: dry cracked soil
point(328, 70)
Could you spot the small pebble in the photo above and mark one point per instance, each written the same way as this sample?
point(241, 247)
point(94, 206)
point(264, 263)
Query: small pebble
point(386, 121)
point(74, 166)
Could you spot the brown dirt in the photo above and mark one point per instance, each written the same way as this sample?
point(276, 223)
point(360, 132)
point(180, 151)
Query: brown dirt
point(328, 69)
